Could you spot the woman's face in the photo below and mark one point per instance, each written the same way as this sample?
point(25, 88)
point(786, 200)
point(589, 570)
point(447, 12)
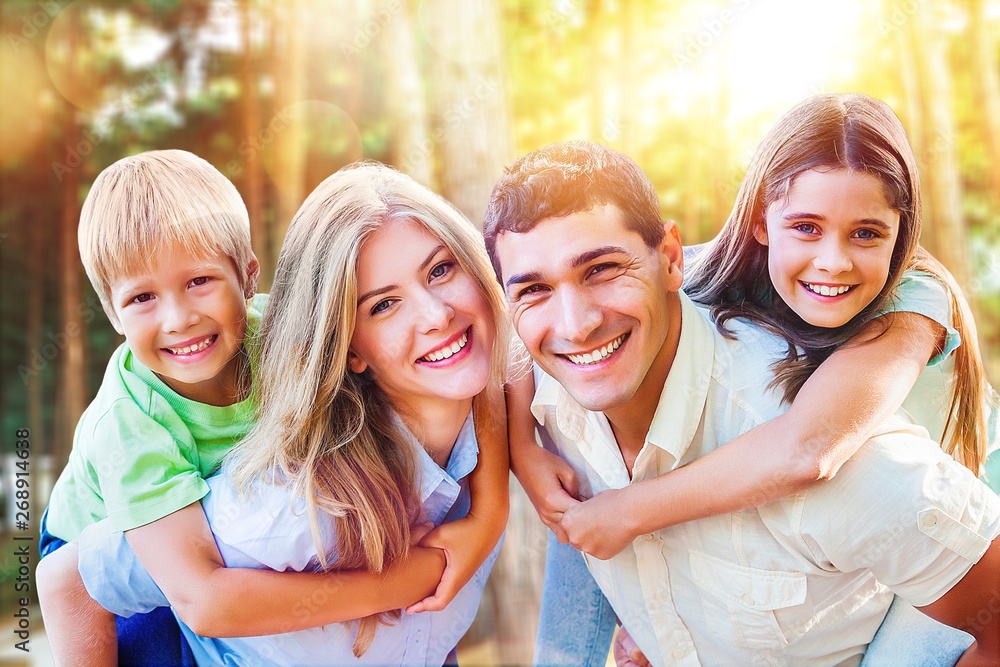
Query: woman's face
point(424, 329)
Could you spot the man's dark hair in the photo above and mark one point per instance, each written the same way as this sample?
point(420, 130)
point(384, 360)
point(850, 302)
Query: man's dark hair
point(565, 178)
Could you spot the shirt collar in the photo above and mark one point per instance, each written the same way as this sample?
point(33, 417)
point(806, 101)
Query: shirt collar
point(461, 462)
point(682, 400)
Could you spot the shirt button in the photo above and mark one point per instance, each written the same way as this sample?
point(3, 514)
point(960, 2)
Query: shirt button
point(678, 653)
point(648, 537)
point(931, 520)
point(747, 599)
point(420, 635)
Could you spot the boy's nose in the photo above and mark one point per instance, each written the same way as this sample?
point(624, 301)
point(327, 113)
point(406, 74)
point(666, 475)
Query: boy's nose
point(177, 316)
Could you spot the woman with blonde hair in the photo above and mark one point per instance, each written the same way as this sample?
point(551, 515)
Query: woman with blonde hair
point(383, 326)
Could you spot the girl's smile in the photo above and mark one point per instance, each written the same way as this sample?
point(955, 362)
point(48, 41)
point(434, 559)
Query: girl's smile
point(830, 244)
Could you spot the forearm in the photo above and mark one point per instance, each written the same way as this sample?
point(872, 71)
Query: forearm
point(488, 483)
point(520, 424)
point(806, 445)
point(239, 602)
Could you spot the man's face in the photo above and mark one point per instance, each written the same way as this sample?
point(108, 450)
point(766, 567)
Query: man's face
point(591, 301)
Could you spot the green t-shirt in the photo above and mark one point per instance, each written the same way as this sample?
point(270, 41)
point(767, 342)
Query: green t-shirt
point(141, 450)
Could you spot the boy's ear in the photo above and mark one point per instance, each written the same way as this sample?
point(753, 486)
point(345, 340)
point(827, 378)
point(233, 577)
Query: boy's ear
point(113, 318)
point(673, 256)
point(760, 232)
point(356, 364)
point(253, 277)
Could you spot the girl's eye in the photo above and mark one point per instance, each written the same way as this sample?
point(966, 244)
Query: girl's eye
point(806, 228)
point(381, 306)
point(867, 234)
point(142, 298)
point(441, 269)
point(200, 280)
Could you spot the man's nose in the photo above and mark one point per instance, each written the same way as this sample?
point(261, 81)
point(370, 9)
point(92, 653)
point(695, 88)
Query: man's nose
point(579, 316)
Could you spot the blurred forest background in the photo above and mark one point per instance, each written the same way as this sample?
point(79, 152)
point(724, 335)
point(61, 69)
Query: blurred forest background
point(278, 95)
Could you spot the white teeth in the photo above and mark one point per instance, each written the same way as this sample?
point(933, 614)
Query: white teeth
point(825, 290)
point(446, 352)
point(596, 355)
point(191, 349)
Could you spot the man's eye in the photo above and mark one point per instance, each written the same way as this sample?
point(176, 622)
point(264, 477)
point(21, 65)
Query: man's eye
point(600, 268)
point(530, 290)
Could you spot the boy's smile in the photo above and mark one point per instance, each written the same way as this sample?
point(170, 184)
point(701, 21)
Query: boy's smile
point(185, 319)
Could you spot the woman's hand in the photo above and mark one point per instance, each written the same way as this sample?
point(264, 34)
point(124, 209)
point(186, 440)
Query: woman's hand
point(461, 561)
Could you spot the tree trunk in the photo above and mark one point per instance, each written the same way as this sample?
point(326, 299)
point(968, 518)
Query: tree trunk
point(253, 187)
point(289, 74)
point(984, 67)
point(413, 149)
point(471, 106)
point(937, 159)
point(72, 365)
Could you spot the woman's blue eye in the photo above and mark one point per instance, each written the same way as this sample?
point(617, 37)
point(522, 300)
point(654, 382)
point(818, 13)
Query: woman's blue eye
point(441, 269)
point(380, 306)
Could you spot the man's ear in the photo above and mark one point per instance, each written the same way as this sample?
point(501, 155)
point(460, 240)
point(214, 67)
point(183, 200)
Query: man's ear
point(760, 232)
point(672, 253)
point(356, 364)
point(253, 277)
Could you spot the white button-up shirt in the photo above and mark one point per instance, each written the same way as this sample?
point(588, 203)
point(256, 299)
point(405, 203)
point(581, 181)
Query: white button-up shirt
point(270, 529)
point(806, 580)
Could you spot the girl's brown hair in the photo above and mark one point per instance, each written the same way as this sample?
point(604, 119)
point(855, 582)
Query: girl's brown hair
point(829, 132)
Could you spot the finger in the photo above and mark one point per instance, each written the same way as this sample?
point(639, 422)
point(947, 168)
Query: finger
point(568, 480)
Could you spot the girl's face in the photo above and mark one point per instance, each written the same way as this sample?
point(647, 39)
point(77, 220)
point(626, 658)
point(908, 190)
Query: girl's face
point(830, 243)
point(424, 329)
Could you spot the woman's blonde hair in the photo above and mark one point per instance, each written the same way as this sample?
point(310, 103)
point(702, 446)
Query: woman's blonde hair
point(154, 200)
point(329, 434)
point(731, 274)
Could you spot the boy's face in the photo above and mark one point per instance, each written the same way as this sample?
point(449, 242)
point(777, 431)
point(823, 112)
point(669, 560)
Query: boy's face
point(185, 320)
point(590, 300)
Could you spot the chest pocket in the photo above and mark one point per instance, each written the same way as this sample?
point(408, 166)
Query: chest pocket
point(747, 606)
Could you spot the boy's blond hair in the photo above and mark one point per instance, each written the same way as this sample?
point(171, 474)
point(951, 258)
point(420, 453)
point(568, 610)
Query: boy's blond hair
point(154, 200)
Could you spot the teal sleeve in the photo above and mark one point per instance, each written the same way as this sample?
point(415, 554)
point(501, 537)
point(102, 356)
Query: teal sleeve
point(922, 293)
point(144, 473)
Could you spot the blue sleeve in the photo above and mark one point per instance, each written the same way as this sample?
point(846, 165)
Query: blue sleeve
point(113, 575)
point(924, 294)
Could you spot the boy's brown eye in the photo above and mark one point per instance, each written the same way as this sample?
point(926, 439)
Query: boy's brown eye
point(143, 298)
point(200, 280)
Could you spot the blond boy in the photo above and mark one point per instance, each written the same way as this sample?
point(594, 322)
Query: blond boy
point(165, 240)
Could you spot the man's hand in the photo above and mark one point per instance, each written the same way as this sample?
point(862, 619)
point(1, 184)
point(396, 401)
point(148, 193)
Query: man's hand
point(626, 652)
point(598, 526)
point(550, 484)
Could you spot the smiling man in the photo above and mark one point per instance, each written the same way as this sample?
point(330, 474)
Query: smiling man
point(633, 381)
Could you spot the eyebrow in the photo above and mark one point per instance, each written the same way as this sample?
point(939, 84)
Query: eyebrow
point(577, 262)
point(388, 288)
point(814, 216)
